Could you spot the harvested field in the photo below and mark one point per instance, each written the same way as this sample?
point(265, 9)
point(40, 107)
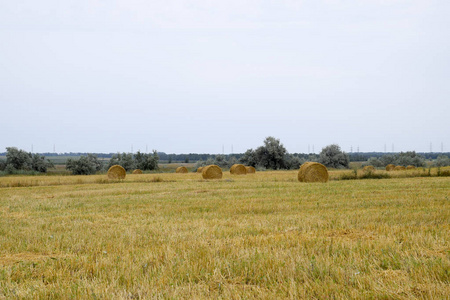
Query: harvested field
point(259, 236)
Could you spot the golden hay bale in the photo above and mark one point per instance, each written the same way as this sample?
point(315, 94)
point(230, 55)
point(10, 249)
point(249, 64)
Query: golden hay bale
point(250, 170)
point(367, 169)
point(312, 172)
point(181, 170)
point(199, 170)
point(410, 167)
point(390, 167)
point(137, 171)
point(399, 168)
point(116, 172)
point(238, 169)
point(212, 172)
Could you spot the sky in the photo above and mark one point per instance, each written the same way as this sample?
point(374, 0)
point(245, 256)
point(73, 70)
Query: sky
point(205, 76)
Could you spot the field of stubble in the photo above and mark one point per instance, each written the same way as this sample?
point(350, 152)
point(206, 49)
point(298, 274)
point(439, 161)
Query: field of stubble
point(260, 236)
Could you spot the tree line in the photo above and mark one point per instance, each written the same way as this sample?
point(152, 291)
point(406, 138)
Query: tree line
point(90, 164)
point(21, 161)
point(271, 155)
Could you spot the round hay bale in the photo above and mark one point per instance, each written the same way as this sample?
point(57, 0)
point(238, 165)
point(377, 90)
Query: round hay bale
point(390, 167)
point(212, 172)
point(137, 171)
point(250, 170)
point(312, 172)
point(181, 170)
point(238, 169)
point(399, 168)
point(199, 170)
point(368, 169)
point(116, 172)
point(410, 167)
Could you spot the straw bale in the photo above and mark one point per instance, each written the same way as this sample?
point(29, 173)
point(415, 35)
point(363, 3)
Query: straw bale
point(181, 170)
point(312, 172)
point(137, 171)
point(367, 169)
point(238, 169)
point(399, 168)
point(410, 167)
point(116, 172)
point(212, 172)
point(390, 167)
point(199, 170)
point(250, 170)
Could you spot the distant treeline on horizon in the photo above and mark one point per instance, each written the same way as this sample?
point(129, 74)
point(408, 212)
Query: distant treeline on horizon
point(194, 157)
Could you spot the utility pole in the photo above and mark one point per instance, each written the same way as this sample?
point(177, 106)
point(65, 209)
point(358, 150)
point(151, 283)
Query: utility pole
point(54, 151)
point(351, 149)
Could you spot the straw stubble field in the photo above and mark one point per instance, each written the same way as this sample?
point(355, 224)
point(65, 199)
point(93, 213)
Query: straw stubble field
point(264, 235)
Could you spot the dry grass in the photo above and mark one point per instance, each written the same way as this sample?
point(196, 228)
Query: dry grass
point(262, 236)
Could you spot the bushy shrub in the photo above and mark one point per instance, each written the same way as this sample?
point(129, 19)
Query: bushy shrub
point(272, 155)
point(128, 161)
point(19, 160)
point(39, 164)
point(400, 159)
point(333, 157)
point(442, 161)
point(85, 165)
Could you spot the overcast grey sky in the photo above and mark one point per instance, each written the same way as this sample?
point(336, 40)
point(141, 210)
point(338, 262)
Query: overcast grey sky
point(195, 76)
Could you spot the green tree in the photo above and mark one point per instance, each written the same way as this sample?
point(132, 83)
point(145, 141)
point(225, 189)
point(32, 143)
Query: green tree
point(125, 160)
point(39, 164)
point(249, 158)
point(18, 159)
point(148, 161)
point(442, 161)
point(85, 165)
point(333, 157)
point(272, 154)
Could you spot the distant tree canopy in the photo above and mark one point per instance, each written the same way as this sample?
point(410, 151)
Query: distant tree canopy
point(399, 159)
point(85, 165)
point(332, 156)
point(442, 161)
point(272, 155)
point(128, 161)
point(19, 160)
